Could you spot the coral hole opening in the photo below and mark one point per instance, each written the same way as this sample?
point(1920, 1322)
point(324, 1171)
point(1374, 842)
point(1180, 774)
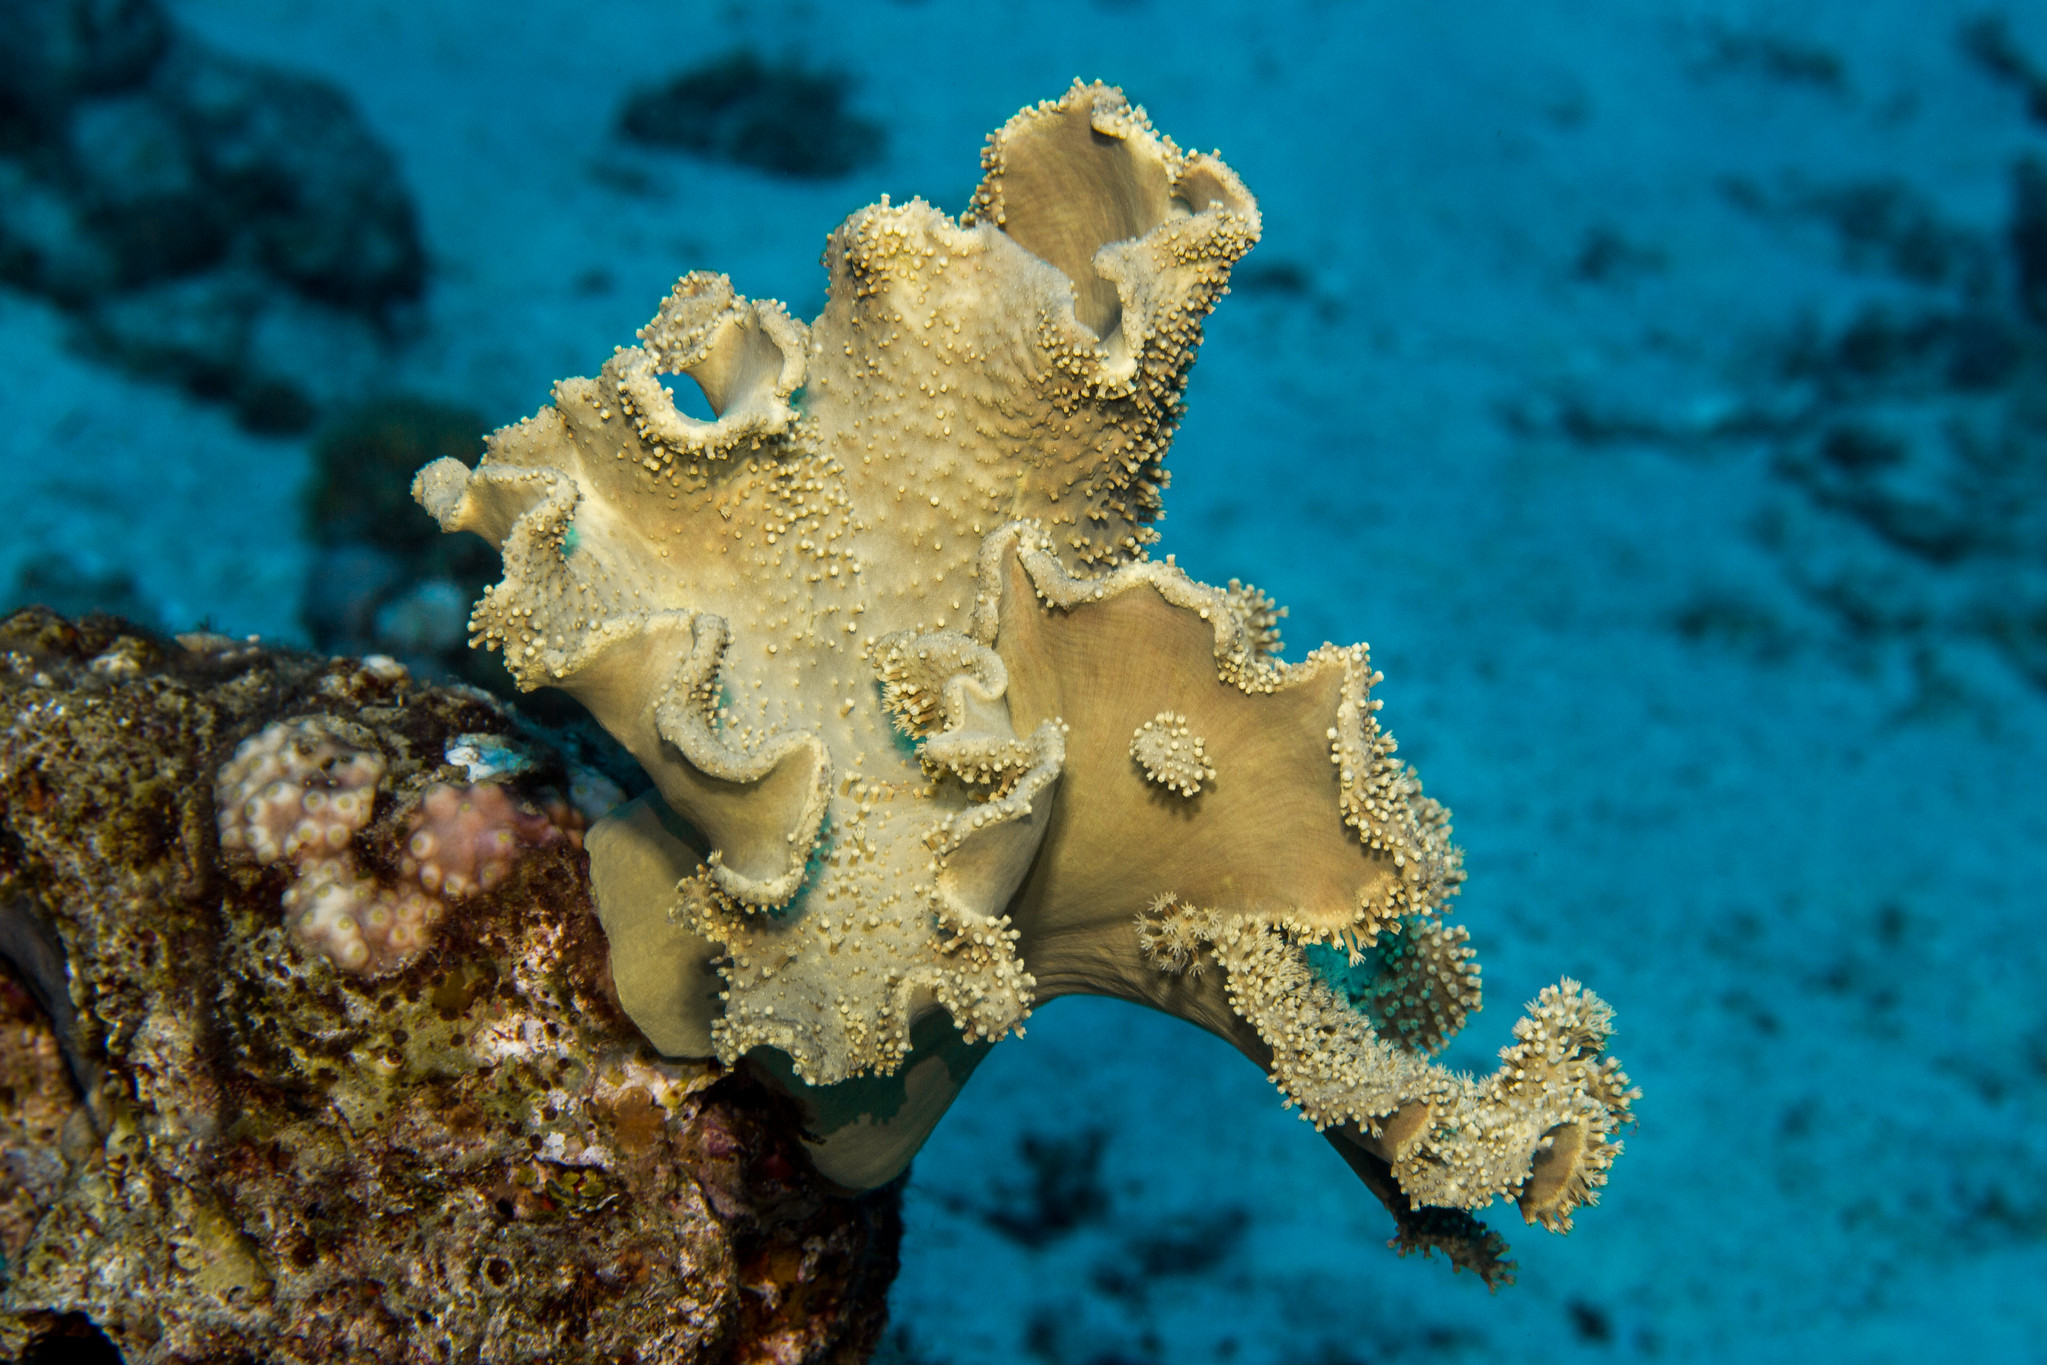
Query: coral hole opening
point(69, 1339)
point(32, 961)
point(693, 401)
point(739, 371)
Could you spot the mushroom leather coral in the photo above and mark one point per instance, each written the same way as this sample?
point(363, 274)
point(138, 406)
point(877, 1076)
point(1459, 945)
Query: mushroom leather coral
point(882, 632)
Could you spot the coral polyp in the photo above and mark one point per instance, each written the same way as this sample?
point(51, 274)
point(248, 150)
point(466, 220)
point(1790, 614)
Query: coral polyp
point(1172, 755)
point(928, 726)
point(298, 792)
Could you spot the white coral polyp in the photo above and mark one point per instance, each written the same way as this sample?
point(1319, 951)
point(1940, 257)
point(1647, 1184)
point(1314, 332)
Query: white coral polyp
point(361, 925)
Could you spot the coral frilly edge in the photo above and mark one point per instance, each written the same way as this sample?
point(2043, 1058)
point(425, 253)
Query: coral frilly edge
point(886, 635)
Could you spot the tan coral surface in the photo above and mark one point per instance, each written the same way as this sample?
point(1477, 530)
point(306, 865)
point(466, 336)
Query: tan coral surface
point(883, 633)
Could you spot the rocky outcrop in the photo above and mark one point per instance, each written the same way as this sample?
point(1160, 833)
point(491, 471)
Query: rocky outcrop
point(226, 1137)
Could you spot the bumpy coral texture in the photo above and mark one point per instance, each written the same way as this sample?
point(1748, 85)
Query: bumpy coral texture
point(299, 791)
point(467, 839)
point(886, 635)
point(1171, 754)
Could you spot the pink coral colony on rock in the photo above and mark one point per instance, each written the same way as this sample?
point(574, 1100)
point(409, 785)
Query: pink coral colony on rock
point(933, 738)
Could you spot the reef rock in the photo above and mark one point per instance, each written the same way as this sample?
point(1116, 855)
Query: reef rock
point(311, 1054)
point(886, 636)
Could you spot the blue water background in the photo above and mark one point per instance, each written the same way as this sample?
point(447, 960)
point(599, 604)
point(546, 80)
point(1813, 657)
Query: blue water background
point(1803, 865)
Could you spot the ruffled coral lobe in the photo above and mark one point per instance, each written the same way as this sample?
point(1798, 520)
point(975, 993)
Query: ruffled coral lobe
point(886, 635)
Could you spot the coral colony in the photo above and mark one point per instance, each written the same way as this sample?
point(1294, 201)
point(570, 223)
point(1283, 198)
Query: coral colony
point(299, 791)
point(945, 742)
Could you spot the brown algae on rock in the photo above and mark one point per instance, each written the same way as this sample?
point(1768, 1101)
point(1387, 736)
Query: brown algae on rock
point(886, 636)
point(226, 1140)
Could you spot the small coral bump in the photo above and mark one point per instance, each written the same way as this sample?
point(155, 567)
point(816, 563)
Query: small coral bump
point(295, 788)
point(1172, 755)
point(464, 840)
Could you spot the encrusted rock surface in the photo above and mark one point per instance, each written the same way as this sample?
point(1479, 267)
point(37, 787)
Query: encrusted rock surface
point(218, 1145)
